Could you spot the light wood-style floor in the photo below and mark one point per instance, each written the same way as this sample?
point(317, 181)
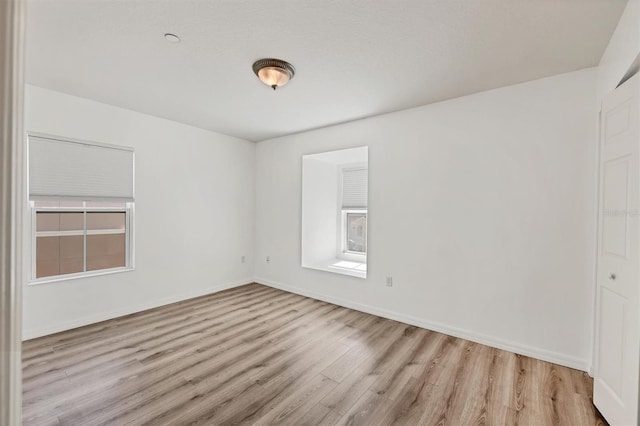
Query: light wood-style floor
point(257, 355)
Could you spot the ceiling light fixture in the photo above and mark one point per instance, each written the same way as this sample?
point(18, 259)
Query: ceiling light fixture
point(274, 72)
point(172, 38)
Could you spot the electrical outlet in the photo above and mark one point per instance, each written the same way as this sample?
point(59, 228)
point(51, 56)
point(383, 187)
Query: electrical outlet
point(243, 259)
point(268, 259)
point(389, 281)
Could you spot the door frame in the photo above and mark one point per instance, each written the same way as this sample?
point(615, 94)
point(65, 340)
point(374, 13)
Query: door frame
point(599, 229)
point(12, 36)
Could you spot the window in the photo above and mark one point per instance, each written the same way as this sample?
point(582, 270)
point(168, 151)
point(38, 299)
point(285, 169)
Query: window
point(354, 212)
point(81, 198)
point(335, 216)
point(79, 237)
point(355, 231)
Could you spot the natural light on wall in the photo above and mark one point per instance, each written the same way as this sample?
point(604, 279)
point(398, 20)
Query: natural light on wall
point(334, 211)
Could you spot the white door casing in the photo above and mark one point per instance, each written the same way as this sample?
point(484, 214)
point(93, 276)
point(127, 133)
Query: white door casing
point(12, 30)
point(617, 344)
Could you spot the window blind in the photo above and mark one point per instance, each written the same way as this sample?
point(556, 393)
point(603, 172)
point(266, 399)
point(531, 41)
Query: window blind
point(79, 170)
point(355, 188)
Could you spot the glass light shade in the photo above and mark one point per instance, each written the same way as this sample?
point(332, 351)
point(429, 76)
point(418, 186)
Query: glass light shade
point(274, 76)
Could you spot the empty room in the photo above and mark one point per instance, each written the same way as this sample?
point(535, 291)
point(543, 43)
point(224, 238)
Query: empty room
point(308, 212)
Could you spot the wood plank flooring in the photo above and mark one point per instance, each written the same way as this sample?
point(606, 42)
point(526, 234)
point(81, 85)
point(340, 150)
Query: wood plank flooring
point(257, 355)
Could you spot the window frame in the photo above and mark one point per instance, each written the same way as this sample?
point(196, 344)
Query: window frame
point(128, 210)
point(345, 253)
point(341, 247)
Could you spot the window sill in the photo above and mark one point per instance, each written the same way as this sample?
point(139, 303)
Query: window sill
point(58, 278)
point(353, 258)
point(343, 267)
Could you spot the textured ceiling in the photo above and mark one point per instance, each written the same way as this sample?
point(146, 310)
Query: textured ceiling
point(353, 58)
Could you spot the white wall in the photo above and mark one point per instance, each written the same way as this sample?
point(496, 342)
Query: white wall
point(622, 49)
point(194, 213)
point(482, 209)
point(320, 201)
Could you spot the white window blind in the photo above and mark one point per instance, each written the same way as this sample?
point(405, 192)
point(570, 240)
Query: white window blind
point(355, 188)
point(76, 170)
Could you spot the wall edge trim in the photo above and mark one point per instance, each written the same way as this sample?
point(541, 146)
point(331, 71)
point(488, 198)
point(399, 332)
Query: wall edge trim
point(103, 316)
point(530, 351)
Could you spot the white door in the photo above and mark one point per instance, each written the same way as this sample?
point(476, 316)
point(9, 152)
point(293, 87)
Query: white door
point(617, 350)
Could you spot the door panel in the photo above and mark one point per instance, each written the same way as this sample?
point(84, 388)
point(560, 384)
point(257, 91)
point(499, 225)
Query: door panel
point(617, 122)
point(615, 203)
point(617, 342)
point(612, 344)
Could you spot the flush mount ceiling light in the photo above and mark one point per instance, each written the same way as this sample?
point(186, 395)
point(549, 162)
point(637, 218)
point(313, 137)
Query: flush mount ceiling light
point(273, 72)
point(172, 38)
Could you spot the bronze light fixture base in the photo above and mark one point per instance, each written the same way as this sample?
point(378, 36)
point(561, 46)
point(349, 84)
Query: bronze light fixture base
point(273, 72)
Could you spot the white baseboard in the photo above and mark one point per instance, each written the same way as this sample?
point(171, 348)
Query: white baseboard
point(533, 352)
point(103, 316)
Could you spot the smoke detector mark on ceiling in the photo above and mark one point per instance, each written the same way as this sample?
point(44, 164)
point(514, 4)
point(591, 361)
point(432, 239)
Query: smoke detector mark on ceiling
point(171, 38)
